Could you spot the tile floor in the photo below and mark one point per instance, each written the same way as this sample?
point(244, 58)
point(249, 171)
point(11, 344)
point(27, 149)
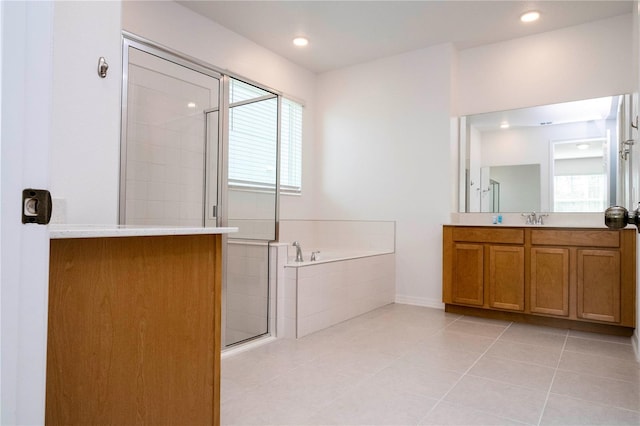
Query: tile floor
point(408, 365)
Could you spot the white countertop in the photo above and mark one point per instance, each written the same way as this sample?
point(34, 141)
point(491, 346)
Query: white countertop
point(99, 231)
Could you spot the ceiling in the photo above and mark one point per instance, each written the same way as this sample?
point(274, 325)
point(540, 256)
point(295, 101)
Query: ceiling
point(344, 33)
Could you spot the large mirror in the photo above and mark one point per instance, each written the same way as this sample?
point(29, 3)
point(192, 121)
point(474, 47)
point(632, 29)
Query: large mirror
point(566, 157)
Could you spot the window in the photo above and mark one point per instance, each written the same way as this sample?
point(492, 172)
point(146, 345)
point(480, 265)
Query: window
point(581, 193)
point(252, 139)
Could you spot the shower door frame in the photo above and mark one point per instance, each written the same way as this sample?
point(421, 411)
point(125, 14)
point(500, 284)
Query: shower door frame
point(171, 55)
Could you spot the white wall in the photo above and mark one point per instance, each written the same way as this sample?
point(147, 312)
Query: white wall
point(85, 151)
point(383, 135)
point(178, 28)
point(580, 62)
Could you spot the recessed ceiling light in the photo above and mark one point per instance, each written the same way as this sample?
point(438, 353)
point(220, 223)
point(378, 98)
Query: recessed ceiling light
point(582, 146)
point(300, 41)
point(530, 16)
point(504, 125)
point(191, 105)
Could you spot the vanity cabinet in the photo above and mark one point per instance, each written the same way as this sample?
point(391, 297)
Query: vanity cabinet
point(578, 278)
point(492, 258)
point(134, 330)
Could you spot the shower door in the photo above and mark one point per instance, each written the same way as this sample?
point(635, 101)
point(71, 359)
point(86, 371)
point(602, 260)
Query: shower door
point(169, 141)
point(251, 200)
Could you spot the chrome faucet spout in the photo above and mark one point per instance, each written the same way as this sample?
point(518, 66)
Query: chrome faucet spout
point(299, 257)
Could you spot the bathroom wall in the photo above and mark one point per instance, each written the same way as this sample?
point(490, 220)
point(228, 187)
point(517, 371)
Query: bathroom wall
point(383, 135)
point(85, 145)
point(580, 62)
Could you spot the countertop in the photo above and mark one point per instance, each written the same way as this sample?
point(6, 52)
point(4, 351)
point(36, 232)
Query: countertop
point(101, 231)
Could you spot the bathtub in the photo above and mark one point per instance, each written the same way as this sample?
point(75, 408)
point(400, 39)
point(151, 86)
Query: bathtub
point(339, 285)
point(326, 256)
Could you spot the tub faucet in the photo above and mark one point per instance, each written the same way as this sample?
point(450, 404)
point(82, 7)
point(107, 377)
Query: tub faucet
point(298, 251)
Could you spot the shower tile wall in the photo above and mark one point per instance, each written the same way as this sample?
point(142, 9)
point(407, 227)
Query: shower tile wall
point(165, 150)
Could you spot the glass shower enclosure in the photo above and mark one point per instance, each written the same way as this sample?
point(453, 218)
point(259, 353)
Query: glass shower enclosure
point(200, 148)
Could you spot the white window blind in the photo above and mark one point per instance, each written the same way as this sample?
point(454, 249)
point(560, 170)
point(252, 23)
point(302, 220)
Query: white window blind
point(253, 139)
point(291, 147)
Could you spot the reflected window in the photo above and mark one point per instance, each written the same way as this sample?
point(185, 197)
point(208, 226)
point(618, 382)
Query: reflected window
point(580, 176)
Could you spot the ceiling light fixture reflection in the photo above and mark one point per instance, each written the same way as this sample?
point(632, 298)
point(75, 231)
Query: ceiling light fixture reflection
point(530, 16)
point(582, 146)
point(504, 125)
point(301, 41)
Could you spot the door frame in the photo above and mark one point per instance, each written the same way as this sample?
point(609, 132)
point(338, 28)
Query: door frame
point(27, 94)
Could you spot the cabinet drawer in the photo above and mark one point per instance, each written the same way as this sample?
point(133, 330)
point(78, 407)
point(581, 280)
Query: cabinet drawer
point(489, 235)
point(582, 238)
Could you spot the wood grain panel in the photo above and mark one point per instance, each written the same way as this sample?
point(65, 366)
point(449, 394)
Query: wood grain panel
point(578, 238)
point(549, 288)
point(488, 235)
point(628, 277)
point(468, 274)
point(599, 285)
point(506, 277)
point(134, 328)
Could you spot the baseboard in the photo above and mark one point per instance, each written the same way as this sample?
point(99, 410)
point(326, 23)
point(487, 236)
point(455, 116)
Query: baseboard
point(419, 301)
point(635, 341)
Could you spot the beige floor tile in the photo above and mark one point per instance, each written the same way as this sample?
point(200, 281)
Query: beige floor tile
point(480, 320)
point(405, 364)
point(616, 393)
point(501, 399)
point(452, 340)
point(404, 377)
point(457, 415)
point(350, 362)
point(612, 368)
point(514, 372)
point(248, 369)
point(541, 355)
point(600, 336)
point(367, 405)
point(451, 359)
point(477, 328)
point(601, 348)
point(532, 335)
point(307, 387)
point(562, 410)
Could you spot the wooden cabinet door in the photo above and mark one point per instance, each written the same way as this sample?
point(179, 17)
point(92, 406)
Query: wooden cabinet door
point(467, 284)
point(549, 290)
point(506, 277)
point(599, 285)
point(134, 331)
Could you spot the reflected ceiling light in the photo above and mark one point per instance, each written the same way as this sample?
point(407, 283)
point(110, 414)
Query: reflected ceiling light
point(530, 16)
point(300, 41)
point(504, 125)
point(582, 146)
point(191, 105)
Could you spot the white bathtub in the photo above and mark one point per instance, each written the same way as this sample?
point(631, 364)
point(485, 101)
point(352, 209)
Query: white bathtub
point(340, 285)
point(325, 256)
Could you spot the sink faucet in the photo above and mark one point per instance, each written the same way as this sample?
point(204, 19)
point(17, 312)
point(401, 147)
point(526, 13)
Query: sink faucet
point(534, 219)
point(298, 251)
point(531, 218)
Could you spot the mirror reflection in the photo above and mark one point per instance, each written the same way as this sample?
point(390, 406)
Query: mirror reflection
point(550, 158)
